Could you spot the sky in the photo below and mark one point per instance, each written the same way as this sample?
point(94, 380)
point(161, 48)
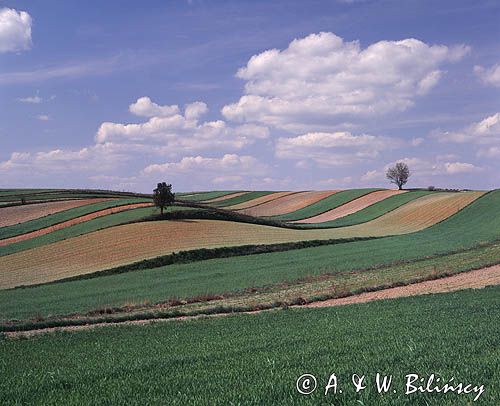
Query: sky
point(222, 95)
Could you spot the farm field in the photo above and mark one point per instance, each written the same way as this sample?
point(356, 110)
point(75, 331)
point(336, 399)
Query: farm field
point(259, 357)
point(352, 207)
point(206, 257)
point(116, 246)
point(285, 204)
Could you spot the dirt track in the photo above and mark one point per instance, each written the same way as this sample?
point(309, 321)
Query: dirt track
point(476, 279)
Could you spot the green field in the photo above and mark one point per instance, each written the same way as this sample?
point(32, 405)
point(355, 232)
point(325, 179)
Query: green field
point(475, 225)
point(226, 276)
point(256, 359)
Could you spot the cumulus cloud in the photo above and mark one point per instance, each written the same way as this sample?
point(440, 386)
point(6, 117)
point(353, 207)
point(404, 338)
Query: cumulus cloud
point(169, 132)
point(482, 133)
point(333, 149)
point(144, 107)
point(322, 78)
point(59, 161)
point(43, 117)
point(228, 163)
point(489, 76)
point(460, 167)
point(15, 30)
point(231, 170)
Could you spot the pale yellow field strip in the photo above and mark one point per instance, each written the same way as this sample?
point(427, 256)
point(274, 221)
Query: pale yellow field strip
point(351, 207)
point(288, 203)
point(133, 242)
point(225, 197)
point(259, 200)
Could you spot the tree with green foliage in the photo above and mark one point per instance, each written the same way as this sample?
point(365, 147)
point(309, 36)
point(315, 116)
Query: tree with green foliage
point(398, 174)
point(163, 196)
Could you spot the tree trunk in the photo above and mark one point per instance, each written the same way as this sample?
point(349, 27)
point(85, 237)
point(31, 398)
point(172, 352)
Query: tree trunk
point(161, 209)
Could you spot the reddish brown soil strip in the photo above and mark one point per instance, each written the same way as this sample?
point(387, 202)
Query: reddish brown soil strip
point(476, 279)
point(19, 214)
point(225, 197)
point(352, 206)
point(288, 203)
point(71, 222)
point(259, 200)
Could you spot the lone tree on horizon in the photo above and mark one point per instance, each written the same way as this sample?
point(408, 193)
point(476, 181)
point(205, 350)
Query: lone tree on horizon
point(163, 196)
point(398, 174)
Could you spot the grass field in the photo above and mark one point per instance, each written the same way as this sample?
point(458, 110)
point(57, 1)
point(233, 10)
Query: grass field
point(256, 359)
point(225, 276)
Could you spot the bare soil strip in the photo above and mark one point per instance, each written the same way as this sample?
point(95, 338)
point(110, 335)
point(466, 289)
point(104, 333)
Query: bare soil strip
point(351, 207)
point(71, 222)
point(476, 279)
point(287, 204)
point(20, 214)
point(129, 243)
point(258, 200)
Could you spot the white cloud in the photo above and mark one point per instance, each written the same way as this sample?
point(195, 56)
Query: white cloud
point(460, 167)
point(333, 149)
point(58, 161)
point(228, 163)
point(489, 76)
point(486, 131)
point(144, 107)
point(43, 117)
point(30, 99)
point(15, 30)
point(321, 78)
point(169, 132)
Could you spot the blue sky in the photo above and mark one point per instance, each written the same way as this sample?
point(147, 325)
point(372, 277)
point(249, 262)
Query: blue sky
point(249, 94)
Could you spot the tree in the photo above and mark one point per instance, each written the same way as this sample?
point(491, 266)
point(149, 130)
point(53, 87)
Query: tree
point(163, 196)
point(398, 174)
